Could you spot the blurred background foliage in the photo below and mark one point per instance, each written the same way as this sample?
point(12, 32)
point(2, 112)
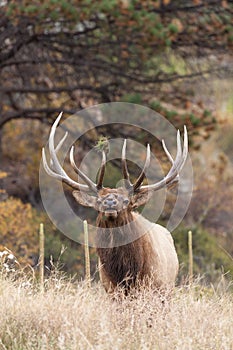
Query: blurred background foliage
point(173, 56)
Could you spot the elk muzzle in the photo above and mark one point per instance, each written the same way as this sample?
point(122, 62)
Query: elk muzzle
point(110, 205)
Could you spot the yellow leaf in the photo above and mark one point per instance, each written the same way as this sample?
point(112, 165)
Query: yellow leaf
point(2, 174)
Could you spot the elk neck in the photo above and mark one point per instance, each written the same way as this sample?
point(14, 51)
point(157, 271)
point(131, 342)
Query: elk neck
point(123, 250)
point(116, 232)
point(123, 218)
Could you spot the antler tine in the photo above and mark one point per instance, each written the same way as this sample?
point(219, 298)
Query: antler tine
point(47, 168)
point(185, 149)
point(167, 152)
point(102, 172)
point(85, 178)
point(59, 146)
point(54, 161)
point(179, 152)
point(60, 176)
point(57, 171)
point(141, 177)
point(61, 142)
point(124, 165)
point(181, 156)
point(177, 164)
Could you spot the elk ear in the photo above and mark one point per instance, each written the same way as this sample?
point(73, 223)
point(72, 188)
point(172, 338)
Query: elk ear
point(84, 199)
point(141, 198)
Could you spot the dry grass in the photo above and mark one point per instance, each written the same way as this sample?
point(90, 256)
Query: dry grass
point(72, 316)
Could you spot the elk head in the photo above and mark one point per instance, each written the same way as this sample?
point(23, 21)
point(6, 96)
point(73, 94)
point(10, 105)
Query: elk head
point(111, 203)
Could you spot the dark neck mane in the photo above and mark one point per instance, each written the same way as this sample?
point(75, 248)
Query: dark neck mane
point(113, 232)
point(122, 246)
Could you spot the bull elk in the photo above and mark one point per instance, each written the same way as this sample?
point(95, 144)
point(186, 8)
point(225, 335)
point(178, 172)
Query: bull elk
point(150, 251)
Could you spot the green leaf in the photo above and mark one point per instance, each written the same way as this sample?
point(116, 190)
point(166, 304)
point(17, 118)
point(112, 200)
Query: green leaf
point(173, 28)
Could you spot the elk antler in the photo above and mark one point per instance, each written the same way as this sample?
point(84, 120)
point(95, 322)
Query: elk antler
point(102, 172)
point(124, 166)
point(141, 177)
point(173, 173)
point(55, 170)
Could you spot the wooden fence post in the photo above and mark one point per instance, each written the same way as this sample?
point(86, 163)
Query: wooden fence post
point(41, 260)
point(190, 248)
point(87, 254)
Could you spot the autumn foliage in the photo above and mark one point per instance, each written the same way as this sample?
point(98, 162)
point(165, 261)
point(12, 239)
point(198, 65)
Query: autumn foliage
point(18, 228)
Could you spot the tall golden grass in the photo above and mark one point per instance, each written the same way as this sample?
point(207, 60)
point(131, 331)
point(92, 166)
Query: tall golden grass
point(71, 315)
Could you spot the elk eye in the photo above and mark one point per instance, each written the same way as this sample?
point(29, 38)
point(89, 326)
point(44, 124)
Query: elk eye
point(125, 201)
point(98, 201)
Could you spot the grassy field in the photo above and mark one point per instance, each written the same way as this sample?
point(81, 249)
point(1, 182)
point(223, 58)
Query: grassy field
point(69, 315)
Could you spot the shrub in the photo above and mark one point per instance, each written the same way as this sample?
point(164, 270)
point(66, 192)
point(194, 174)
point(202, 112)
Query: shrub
point(209, 258)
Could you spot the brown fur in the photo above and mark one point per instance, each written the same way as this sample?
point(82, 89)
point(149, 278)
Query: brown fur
point(125, 265)
point(130, 248)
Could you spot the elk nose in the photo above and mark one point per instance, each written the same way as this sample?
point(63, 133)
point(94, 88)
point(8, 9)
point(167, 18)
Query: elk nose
point(110, 202)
